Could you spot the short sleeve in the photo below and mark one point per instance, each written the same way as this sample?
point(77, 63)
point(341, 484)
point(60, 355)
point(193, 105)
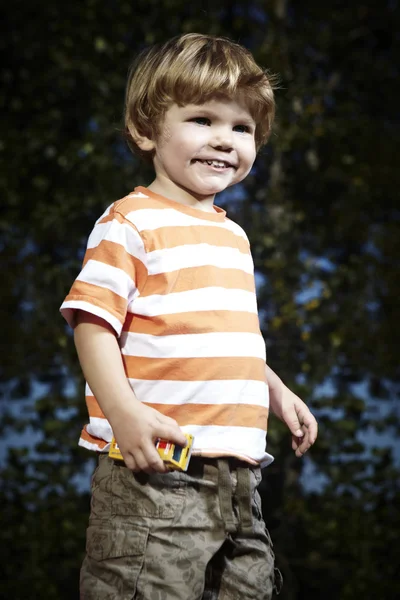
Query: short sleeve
point(113, 272)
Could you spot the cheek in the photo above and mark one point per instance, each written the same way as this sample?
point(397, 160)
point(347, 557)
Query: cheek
point(165, 137)
point(175, 143)
point(250, 155)
point(247, 149)
point(253, 155)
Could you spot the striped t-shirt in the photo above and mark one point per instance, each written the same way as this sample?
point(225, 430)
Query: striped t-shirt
point(177, 285)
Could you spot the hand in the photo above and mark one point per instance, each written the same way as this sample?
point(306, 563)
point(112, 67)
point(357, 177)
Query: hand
point(301, 422)
point(294, 412)
point(136, 432)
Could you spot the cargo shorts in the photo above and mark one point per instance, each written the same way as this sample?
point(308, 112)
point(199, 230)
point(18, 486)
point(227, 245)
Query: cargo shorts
point(197, 535)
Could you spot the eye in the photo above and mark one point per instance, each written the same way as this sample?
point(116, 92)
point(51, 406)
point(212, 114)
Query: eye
point(243, 129)
point(201, 120)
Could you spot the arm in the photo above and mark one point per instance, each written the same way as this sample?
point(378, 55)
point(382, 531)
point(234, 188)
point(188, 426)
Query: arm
point(291, 410)
point(135, 425)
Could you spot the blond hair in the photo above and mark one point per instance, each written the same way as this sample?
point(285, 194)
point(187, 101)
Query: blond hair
point(192, 69)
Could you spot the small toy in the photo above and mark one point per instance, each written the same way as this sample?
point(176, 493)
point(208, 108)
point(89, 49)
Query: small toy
point(175, 457)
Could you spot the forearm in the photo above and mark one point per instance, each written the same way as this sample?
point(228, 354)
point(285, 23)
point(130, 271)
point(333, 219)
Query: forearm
point(276, 387)
point(288, 407)
point(135, 425)
point(102, 366)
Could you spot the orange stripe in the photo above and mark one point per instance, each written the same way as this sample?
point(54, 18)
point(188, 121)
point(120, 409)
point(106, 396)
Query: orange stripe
point(114, 216)
point(131, 203)
point(194, 369)
point(234, 415)
point(193, 278)
point(115, 255)
point(98, 296)
point(92, 440)
point(193, 322)
point(93, 407)
point(240, 415)
point(173, 236)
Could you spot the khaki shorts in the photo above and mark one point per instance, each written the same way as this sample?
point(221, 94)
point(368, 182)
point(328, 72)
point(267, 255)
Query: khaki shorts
point(177, 536)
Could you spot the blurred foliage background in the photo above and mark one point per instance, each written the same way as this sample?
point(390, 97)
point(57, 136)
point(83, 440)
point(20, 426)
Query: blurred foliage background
point(322, 210)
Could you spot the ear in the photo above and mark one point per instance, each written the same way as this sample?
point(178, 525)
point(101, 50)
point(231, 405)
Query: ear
point(145, 144)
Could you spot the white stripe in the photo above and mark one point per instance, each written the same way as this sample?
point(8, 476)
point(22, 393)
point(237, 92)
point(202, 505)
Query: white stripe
point(92, 446)
point(198, 255)
point(197, 345)
point(150, 219)
point(119, 233)
point(201, 392)
point(137, 195)
point(236, 229)
point(69, 307)
point(100, 427)
point(110, 278)
point(245, 441)
point(105, 213)
point(204, 299)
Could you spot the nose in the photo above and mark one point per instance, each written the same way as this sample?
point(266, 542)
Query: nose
point(222, 139)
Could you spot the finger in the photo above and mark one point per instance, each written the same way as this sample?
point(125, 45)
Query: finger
point(296, 442)
point(292, 420)
point(154, 462)
point(130, 462)
point(299, 449)
point(309, 422)
point(140, 459)
point(172, 433)
point(299, 453)
point(313, 430)
point(310, 432)
point(301, 446)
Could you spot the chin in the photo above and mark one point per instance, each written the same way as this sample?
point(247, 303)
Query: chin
point(212, 190)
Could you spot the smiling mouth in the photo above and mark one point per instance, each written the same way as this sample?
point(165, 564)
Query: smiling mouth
point(218, 164)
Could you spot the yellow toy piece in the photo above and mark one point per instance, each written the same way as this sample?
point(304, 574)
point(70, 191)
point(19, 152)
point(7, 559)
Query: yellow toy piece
point(175, 457)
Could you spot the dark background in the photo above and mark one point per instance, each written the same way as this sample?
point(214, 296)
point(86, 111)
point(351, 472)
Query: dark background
point(321, 209)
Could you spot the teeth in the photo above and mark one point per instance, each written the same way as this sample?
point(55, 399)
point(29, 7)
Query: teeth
point(215, 163)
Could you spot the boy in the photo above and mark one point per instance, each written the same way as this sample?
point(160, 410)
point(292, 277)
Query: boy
point(166, 329)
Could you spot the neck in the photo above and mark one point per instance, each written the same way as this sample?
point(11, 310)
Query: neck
point(181, 195)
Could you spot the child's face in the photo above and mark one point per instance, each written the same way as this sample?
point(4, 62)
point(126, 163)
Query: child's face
point(203, 149)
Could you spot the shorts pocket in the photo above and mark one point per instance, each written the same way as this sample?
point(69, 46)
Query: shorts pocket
point(114, 559)
point(155, 496)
